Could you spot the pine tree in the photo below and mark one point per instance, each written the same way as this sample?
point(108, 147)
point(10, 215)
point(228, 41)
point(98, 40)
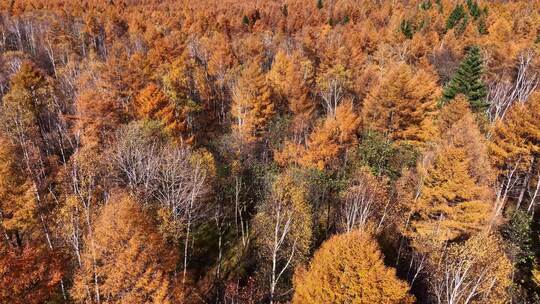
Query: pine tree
point(468, 81)
point(245, 20)
point(349, 268)
point(482, 27)
point(319, 4)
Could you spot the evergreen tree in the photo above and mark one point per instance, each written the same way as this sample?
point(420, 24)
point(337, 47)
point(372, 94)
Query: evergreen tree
point(474, 9)
point(482, 27)
point(426, 5)
point(319, 4)
point(468, 81)
point(245, 20)
point(519, 234)
point(407, 29)
point(455, 17)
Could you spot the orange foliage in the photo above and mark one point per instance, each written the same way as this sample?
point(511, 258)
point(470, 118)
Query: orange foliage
point(349, 268)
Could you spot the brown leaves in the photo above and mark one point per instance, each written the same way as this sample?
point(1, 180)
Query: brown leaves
point(30, 274)
point(127, 255)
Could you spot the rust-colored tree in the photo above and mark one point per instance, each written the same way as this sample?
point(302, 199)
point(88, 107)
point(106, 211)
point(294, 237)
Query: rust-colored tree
point(252, 107)
point(128, 261)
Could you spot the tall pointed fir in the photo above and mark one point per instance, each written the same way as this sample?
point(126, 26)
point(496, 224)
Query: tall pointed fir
point(468, 81)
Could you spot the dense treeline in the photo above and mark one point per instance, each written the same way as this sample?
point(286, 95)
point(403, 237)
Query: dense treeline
point(304, 151)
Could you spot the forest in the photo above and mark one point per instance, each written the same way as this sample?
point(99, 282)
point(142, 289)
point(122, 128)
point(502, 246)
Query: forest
point(269, 151)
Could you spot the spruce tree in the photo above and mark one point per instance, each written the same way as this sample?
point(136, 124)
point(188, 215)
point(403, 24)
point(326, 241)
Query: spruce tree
point(455, 17)
point(245, 20)
point(468, 81)
point(407, 29)
point(482, 27)
point(426, 5)
point(474, 9)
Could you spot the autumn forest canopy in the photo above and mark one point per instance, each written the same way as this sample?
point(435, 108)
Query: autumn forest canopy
point(269, 151)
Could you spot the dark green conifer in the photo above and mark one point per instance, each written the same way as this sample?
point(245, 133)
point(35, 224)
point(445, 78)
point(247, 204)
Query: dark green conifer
point(482, 28)
point(426, 5)
point(474, 9)
point(407, 29)
point(455, 17)
point(319, 4)
point(468, 81)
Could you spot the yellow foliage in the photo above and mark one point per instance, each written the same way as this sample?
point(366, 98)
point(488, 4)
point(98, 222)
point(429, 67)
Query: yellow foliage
point(479, 266)
point(349, 268)
point(455, 195)
point(516, 139)
point(403, 105)
point(17, 198)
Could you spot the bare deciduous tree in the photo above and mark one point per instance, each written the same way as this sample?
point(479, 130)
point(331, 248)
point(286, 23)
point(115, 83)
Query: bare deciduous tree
point(503, 94)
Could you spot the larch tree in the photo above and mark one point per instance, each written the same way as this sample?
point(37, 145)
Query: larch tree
point(252, 107)
point(327, 142)
point(30, 274)
point(454, 198)
point(349, 268)
point(403, 105)
point(134, 265)
point(23, 121)
point(284, 231)
point(17, 200)
point(99, 110)
point(152, 104)
point(468, 81)
point(291, 78)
